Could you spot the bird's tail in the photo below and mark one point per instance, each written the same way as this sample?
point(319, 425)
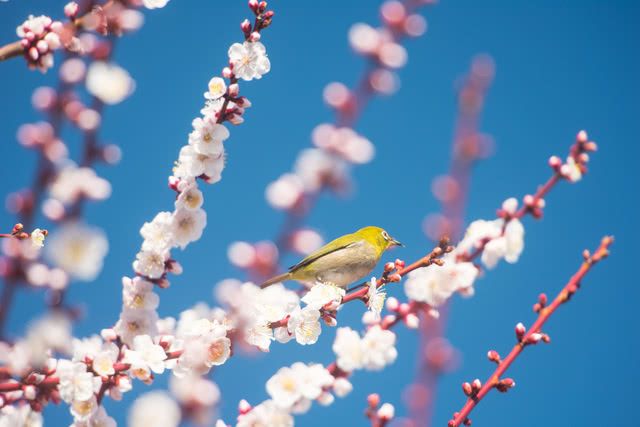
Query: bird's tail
point(279, 278)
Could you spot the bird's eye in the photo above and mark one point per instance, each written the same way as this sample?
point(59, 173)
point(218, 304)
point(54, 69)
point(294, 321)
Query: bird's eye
point(385, 235)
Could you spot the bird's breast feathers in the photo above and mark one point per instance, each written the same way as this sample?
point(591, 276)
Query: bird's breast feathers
point(343, 266)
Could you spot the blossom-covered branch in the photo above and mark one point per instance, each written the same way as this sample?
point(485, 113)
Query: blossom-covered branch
point(476, 390)
point(337, 146)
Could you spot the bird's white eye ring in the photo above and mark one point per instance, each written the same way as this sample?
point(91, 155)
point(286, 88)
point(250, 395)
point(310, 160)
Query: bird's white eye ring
point(385, 235)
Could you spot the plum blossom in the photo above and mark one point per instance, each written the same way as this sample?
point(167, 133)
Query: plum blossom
point(105, 358)
point(435, 285)
point(83, 410)
point(207, 137)
point(285, 192)
point(76, 384)
point(145, 357)
point(37, 238)
point(305, 325)
point(508, 246)
point(157, 234)
point(298, 382)
point(348, 349)
point(20, 415)
point(150, 263)
point(72, 183)
point(99, 418)
point(109, 82)
point(217, 88)
point(322, 294)
point(266, 414)
point(379, 348)
point(192, 164)
point(571, 170)
point(249, 60)
point(136, 322)
point(190, 196)
point(342, 387)
point(137, 293)
point(78, 249)
point(188, 226)
point(40, 38)
point(375, 297)
point(204, 343)
point(156, 409)
point(373, 352)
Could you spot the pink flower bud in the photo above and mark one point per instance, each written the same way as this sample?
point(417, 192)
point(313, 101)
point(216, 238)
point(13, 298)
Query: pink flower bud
point(245, 26)
point(255, 36)
point(108, 334)
point(71, 9)
point(253, 5)
point(373, 400)
point(386, 412)
point(404, 309)
point(412, 321)
point(392, 304)
point(234, 90)
point(476, 385)
point(493, 356)
point(555, 162)
point(467, 389)
point(227, 73)
point(29, 392)
point(243, 407)
point(389, 267)
point(582, 137)
point(520, 331)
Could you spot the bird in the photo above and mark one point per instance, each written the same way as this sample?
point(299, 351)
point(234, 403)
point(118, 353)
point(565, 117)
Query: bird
point(342, 261)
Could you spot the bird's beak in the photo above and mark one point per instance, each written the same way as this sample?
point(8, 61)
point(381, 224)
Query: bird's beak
point(396, 243)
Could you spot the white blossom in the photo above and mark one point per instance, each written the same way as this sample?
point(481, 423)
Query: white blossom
point(137, 293)
point(379, 348)
point(190, 197)
point(207, 137)
point(37, 238)
point(217, 88)
point(20, 416)
point(145, 356)
point(508, 246)
point(73, 182)
point(298, 382)
point(188, 226)
point(322, 294)
point(435, 284)
point(305, 325)
point(76, 384)
point(249, 60)
point(342, 387)
point(348, 349)
point(155, 409)
point(266, 414)
point(150, 263)
point(192, 164)
point(99, 418)
point(571, 170)
point(136, 322)
point(78, 249)
point(109, 82)
point(375, 297)
point(158, 234)
point(105, 358)
point(84, 410)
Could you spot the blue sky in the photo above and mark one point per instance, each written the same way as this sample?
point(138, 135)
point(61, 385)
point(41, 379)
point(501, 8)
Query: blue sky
point(560, 67)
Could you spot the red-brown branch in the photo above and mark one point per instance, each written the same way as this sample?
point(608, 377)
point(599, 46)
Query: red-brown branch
point(528, 338)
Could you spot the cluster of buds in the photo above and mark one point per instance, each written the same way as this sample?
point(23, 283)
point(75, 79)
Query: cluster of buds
point(379, 415)
point(37, 236)
point(263, 17)
point(576, 163)
point(39, 38)
point(534, 337)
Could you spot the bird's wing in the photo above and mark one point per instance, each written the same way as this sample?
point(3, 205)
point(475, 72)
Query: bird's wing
point(336, 245)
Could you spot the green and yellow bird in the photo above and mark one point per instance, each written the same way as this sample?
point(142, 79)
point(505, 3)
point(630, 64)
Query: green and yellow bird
point(343, 261)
